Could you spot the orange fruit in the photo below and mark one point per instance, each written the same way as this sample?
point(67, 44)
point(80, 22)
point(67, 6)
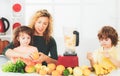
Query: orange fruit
point(35, 55)
point(42, 72)
point(55, 73)
point(60, 68)
point(51, 66)
point(49, 72)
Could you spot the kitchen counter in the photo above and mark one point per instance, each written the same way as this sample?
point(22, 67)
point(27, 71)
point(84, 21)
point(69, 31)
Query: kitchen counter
point(18, 74)
point(3, 60)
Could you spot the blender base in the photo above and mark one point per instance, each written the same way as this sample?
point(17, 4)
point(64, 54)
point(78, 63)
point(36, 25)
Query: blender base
point(70, 53)
point(68, 61)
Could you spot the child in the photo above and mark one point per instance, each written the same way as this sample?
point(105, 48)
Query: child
point(22, 41)
point(106, 58)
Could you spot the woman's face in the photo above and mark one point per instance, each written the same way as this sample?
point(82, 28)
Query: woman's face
point(24, 39)
point(106, 43)
point(41, 25)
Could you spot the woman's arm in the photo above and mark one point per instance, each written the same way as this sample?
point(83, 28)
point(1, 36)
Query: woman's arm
point(53, 51)
point(46, 58)
point(50, 60)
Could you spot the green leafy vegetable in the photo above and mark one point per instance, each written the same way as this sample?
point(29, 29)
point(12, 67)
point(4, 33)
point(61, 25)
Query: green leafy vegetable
point(19, 66)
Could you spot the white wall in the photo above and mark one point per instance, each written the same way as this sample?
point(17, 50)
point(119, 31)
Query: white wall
point(87, 15)
point(5, 10)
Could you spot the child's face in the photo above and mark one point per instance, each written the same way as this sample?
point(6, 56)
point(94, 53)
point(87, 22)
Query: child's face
point(106, 43)
point(24, 39)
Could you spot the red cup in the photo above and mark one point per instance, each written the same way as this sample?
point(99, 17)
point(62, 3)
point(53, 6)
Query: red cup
point(17, 24)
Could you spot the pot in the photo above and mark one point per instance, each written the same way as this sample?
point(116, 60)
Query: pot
point(3, 44)
point(4, 25)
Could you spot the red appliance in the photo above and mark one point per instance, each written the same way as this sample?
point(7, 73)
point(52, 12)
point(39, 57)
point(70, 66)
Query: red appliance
point(71, 39)
point(4, 25)
point(68, 61)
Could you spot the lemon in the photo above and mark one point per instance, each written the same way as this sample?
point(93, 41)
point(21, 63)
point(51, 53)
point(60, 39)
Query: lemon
point(77, 71)
point(70, 69)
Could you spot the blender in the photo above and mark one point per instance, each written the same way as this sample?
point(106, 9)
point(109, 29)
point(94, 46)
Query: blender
point(71, 40)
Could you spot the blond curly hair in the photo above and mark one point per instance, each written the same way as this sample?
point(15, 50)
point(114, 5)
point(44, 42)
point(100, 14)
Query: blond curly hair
point(43, 13)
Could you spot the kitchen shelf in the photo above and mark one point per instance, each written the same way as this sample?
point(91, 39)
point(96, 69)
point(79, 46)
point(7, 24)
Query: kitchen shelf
point(11, 15)
point(2, 36)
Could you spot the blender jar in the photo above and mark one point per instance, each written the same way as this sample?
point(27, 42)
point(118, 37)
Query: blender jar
point(71, 40)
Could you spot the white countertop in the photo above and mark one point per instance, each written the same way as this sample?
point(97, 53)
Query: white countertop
point(3, 60)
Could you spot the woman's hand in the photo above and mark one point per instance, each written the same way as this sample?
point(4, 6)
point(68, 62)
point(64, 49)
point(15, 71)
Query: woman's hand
point(42, 57)
point(47, 59)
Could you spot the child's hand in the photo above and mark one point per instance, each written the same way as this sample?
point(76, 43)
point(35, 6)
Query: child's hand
point(89, 56)
point(35, 55)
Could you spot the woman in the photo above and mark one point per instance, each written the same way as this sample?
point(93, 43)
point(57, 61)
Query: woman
point(41, 23)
